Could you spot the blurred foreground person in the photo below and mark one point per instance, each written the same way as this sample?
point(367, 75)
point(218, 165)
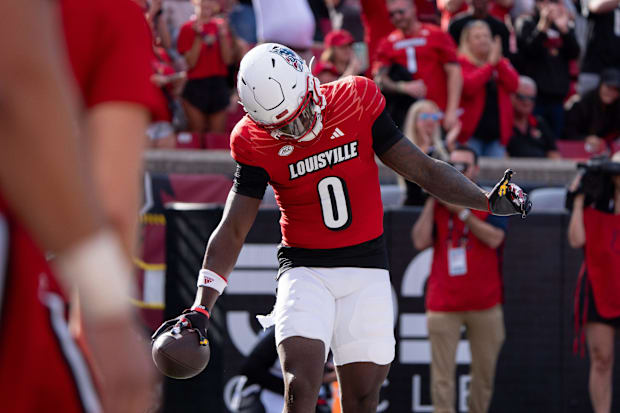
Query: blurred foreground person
point(46, 204)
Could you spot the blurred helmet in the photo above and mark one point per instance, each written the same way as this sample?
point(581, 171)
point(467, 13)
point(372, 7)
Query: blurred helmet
point(278, 91)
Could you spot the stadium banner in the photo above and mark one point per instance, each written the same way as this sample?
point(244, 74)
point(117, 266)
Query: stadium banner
point(159, 190)
point(536, 369)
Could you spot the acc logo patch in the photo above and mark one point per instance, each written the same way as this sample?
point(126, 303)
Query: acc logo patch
point(286, 150)
point(290, 56)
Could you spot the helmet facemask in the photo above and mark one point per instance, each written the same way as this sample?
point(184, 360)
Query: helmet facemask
point(306, 123)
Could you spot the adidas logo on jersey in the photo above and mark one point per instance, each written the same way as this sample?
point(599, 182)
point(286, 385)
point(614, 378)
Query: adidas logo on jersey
point(337, 134)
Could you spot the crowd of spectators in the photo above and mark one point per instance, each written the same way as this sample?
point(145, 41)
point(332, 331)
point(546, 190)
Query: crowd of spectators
point(514, 76)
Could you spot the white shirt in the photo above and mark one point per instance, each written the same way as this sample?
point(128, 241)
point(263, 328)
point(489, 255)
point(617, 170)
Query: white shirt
point(289, 22)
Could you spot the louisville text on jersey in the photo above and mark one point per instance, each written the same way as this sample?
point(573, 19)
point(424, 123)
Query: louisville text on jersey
point(323, 160)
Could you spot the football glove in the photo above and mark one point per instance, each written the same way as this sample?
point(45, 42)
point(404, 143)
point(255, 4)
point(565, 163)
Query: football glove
point(189, 319)
point(508, 199)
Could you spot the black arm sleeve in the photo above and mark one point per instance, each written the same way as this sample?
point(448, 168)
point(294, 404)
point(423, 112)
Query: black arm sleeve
point(250, 181)
point(385, 133)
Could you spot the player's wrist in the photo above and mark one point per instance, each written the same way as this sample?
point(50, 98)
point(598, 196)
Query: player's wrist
point(202, 310)
point(210, 279)
point(100, 271)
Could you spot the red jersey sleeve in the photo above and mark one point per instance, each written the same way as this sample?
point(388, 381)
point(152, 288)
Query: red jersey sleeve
point(370, 96)
point(241, 144)
point(446, 47)
point(123, 70)
point(186, 37)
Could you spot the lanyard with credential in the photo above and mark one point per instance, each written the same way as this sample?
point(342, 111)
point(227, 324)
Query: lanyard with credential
point(464, 236)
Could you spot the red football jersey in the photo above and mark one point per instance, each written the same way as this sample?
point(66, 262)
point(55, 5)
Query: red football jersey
point(41, 365)
point(328, 190)
point(109, 45)
point(424, 55)
point(210, 61)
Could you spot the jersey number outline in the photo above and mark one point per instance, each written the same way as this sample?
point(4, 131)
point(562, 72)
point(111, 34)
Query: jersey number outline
point(335, 203)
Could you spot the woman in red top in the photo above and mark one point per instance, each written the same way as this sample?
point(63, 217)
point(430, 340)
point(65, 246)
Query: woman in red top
point(206, 44)
point(594, 226)
point(488, 81)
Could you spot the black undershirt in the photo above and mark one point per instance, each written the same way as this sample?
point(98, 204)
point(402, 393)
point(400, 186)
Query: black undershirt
point(252, 181)
point(488, 125)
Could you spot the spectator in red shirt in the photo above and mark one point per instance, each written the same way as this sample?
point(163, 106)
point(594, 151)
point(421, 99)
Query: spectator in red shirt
point(207, 46)
point(161, 133)
point(464, 290)
point(488, 81)
point(338, 57)
point(418, 60)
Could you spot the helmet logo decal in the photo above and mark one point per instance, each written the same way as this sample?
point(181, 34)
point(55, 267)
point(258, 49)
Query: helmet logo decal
point(286, 150)
point(289, 56)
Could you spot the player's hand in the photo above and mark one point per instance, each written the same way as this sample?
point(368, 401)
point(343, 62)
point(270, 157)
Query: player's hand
point(188, 320)
point(122, 361)
point(508, 199)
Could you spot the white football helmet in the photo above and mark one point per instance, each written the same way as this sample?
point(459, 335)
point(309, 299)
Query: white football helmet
point(278, 91)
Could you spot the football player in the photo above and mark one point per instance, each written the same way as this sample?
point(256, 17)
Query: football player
point(46, 203)
point(316, 146)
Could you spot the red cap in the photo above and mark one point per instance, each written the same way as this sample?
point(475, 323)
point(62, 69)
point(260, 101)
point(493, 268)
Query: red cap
point(338, 38)
point(321, 67)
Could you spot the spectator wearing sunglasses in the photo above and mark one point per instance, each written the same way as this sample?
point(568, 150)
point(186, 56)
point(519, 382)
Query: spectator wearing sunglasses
point(422, 127)
point(488, 81)
point(531, 135)
point(417, 61)
point(547, 44)
point(464, 290)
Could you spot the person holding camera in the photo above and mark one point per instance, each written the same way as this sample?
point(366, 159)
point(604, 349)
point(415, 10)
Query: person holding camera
point(595, 225)
point(464, 289)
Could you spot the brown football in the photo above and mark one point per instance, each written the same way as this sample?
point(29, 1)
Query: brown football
point(180, 356)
